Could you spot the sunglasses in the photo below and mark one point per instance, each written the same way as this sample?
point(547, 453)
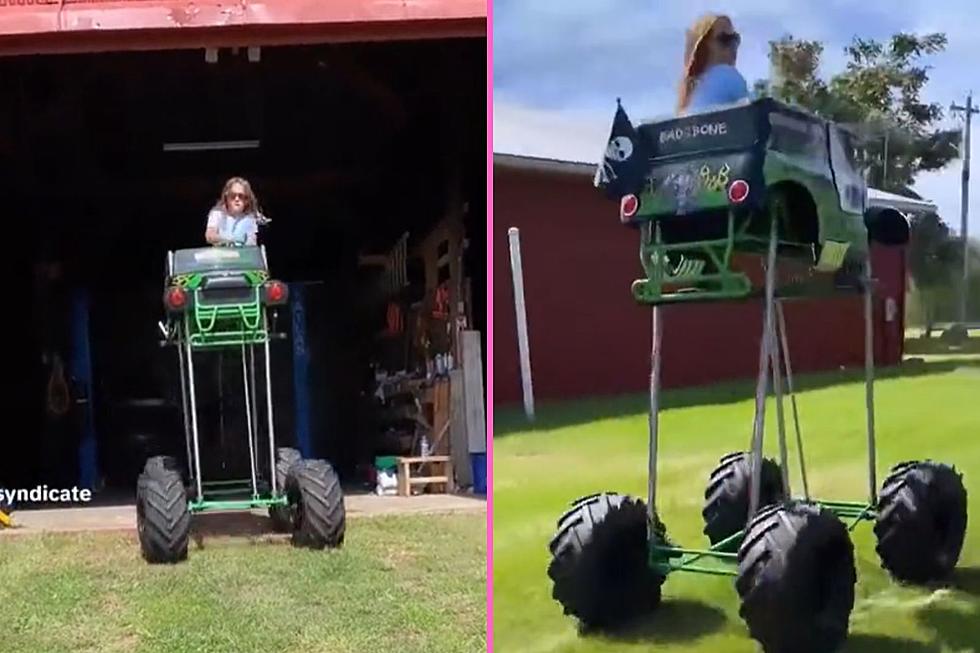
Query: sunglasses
point(237, 196)
point(729, 39)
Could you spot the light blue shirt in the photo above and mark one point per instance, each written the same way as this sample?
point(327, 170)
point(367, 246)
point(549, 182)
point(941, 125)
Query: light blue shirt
point(720, 84)
point(242, 229)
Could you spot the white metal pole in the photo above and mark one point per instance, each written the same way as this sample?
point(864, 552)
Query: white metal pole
point(762, 384)
point(656, 349)
point(520, 311)
point(869, 380)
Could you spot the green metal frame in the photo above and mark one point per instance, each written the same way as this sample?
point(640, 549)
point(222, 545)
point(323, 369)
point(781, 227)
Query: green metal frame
point(240, 488)
point(667, 282)
point(668, 559)
point(655, 257)
point(721, 559)
point(228, 325)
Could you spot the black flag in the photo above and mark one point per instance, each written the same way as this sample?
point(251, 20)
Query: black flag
point(624, 161)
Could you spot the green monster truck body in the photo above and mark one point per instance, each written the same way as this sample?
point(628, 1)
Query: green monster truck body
point(225, 290)
point(702, 188)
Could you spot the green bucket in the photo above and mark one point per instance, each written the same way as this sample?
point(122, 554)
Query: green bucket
point(385, 462)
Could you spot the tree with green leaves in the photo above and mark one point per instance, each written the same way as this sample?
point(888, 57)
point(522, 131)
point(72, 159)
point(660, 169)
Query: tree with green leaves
point(879, 94)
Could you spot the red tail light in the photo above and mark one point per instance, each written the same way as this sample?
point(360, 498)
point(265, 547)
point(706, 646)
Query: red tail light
point(628, 206)
point(738, 191)
point(175, 299)
point(276, 292)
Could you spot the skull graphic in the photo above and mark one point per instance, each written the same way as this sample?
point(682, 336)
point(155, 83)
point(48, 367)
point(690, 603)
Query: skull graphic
point(619, 149)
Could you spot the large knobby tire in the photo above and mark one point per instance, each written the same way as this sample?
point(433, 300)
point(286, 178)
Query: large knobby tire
point(921, 521)
point(162, 462)
point(796, 579)
point(314, 492)
point(162, 517)
point(726, 499)
point(282, 516)
point(599, 566)
point(169, 463)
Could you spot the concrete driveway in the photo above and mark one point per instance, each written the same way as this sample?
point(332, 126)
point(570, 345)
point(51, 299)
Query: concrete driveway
point(123, 517)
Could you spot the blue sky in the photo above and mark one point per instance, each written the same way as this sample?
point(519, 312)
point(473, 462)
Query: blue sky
point(558, 66)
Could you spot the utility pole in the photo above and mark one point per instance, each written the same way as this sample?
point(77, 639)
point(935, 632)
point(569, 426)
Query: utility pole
point(968, 112)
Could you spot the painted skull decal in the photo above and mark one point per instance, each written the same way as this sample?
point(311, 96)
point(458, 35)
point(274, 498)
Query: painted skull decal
point(619, 149)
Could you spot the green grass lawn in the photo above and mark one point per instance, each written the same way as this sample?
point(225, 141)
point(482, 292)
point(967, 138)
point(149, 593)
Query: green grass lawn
point(413, 583)
point(931, 409)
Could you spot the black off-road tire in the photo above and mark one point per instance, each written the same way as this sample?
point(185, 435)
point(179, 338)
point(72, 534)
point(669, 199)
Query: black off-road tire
point(921, 521)
point(599, 566)
point(726, 499)
point(796, 579)
point(282, 516)
point(162, 462)
point(165, 463)
point(162, 517)
point(315, 496)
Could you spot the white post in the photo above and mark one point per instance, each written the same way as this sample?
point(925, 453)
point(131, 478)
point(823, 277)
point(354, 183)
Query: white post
point(520, 311)
point(474, 397)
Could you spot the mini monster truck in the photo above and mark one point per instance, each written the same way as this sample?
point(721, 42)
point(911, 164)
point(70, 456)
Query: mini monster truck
point(701, 188)
point(761, 176)
point(219, 299)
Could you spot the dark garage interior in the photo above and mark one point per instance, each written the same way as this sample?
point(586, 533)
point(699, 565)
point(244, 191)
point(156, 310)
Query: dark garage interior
point(347, 147)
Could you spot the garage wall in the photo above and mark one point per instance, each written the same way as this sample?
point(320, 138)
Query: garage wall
point(588, 337)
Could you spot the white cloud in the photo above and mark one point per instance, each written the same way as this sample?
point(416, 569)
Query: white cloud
point(564, 135)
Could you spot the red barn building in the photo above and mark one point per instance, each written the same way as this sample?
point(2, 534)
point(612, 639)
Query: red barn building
point(588, 337)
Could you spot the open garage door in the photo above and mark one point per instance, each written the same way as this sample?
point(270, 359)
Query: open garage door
point(117, 157)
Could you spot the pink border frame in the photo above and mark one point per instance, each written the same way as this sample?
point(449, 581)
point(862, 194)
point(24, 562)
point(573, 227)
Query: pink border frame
point(489, 357)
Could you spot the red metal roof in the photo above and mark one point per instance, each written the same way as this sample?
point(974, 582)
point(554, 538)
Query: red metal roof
point(51, 26)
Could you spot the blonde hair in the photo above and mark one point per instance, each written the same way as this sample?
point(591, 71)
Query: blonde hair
point(694, 56)
point(251, 201)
